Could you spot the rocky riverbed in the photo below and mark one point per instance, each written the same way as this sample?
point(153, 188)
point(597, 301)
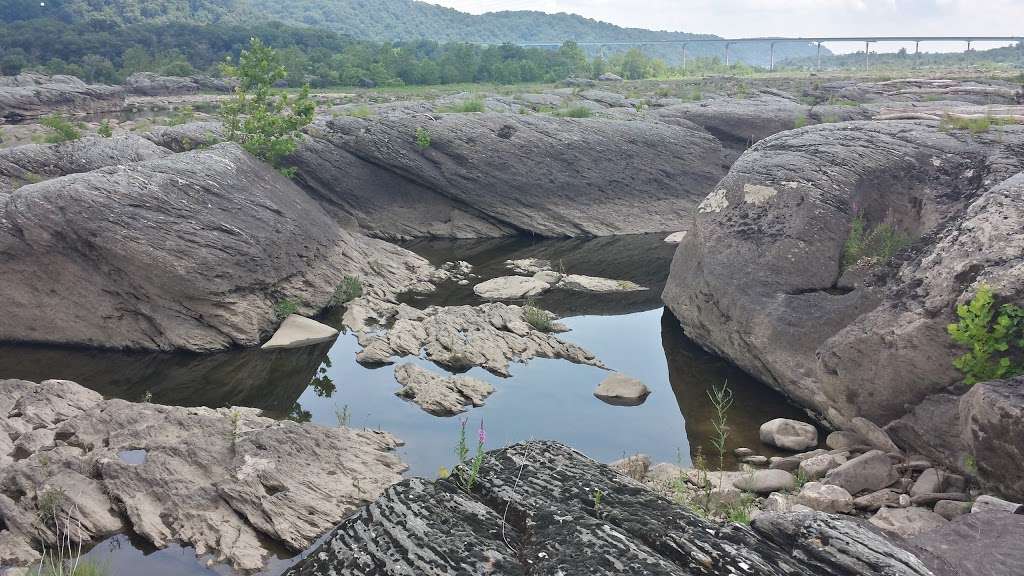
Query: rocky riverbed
point(163, 238)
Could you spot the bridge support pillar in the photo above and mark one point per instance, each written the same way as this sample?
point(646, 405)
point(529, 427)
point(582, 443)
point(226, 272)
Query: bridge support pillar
point(819, 56)
point(727, 63)
point(771, 57)
point(684, 58)
point(867, 54)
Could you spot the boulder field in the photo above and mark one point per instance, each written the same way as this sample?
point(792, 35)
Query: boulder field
point(191, 251)
point(865, 338)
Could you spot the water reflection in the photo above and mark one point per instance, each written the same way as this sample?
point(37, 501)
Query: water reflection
point(269, 380)
point(643, 259)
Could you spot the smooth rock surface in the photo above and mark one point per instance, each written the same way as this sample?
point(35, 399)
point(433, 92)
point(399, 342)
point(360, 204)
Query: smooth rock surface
point(765, 481)
point(992, 423)
point(825, 498)
point(581, 283)
point(440, 395)
point(908, 522)
point(298, 331)
point(30, 95)
point(488, 174)
point(621, 390)
point(223, 481)
point(984, 544)
point(189, 252)
point(789, 434)
point(988, 503)
point(879, 499)
point(870, 471)
point(510, 288)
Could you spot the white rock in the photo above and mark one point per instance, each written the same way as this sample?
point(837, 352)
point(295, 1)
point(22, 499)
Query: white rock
point(987, 503)
point(549, 276)
point(621, 390)
point(765, 481)
point(789, 434)
point(675, 237)
point(510, 288)
point(298, 331)
point(825, 498)
point(581, 283)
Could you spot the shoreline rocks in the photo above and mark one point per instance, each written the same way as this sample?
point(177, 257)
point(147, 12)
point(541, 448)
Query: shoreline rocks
point(218, 480)
point(298, 331)
point(31, 95)
point(440, 395)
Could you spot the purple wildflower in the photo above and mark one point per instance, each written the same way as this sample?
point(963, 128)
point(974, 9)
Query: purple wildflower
point(482, 434)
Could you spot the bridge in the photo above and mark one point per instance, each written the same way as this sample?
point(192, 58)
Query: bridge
point(819, 40)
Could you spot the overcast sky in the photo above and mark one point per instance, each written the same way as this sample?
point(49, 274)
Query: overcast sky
point(738, 18)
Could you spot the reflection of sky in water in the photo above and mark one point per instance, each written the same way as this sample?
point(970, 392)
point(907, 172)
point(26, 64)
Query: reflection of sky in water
point(548, 399)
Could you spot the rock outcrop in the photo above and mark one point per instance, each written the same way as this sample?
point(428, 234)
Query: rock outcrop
point(37, 162)
point(191, 251)
point(870, 341)
point(150, 84)
point(543, 508)
point(31, 95)
point(218, 480)
point(440, 395)
point(186, 137)
point(455, 337)
point(992, 424)
point(483, 175)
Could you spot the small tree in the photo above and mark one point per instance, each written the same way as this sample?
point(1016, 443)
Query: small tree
point(266, 122)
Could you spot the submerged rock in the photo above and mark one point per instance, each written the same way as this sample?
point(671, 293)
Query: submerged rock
point(621, 390)
point(440, 395)
point(533, 510)
point(581, 283)
point(219, 480)
point(298, 331)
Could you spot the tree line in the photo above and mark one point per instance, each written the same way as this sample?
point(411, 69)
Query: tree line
point(103, 51)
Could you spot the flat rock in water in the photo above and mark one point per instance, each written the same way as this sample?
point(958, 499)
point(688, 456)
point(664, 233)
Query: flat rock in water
point(440, 395)
point(545, 492)
point(621, 390)
point(510, 288)
point(581, 283)
point(298, 331)
point(223, 481)
point(789, 434)
point(982, 544)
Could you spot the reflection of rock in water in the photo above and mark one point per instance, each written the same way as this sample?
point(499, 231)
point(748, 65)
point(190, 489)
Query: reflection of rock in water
point(269, 380)
point(693, 371)
point(643, 259)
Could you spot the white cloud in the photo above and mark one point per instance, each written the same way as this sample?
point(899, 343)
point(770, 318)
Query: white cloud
point(738, 18)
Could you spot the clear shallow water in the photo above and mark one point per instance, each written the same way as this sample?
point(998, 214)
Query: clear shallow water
point(544, 399)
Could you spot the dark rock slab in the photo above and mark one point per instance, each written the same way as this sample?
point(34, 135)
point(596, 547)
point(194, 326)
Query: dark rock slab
point(982, 544)
point(534, 511)
point(992, 423)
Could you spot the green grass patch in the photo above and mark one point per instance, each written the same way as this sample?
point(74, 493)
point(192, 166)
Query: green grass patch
point(976, 125)
point(882, 241)
point(574, 112)
point(472, 105)
point(285, 308)
point(61, 130)
point(536, 317)
point(348, 290)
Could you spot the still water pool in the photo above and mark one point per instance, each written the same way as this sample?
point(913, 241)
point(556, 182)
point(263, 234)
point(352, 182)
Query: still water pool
point(543, 399)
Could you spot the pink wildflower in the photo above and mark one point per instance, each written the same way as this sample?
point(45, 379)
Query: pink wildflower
point(482, 434)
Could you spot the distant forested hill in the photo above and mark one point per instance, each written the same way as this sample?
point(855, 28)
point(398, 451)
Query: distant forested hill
point(383, 20)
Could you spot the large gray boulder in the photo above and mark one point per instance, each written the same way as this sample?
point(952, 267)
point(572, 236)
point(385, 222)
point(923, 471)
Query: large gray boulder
point(533, 510)
point(191, 251)
point(227, 482)
point(502, 174)
point(32, 95)
point(186, 137)
point(987, 543)
point(36, 162)
point(992, 417)
point(874, 345)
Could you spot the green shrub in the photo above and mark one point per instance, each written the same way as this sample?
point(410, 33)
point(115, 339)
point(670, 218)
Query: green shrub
point(989, 336)
point(574, 112)
point(473, 105)
point(882, 241)
point(105, 130)
point(184, 115)
point(422, 138)
point(537, 318)
point(363, 112)
point(975, 125)
point(264, 121)
point(60, 130)
point(800, 121)
point(349, 289)
point(285, 308)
